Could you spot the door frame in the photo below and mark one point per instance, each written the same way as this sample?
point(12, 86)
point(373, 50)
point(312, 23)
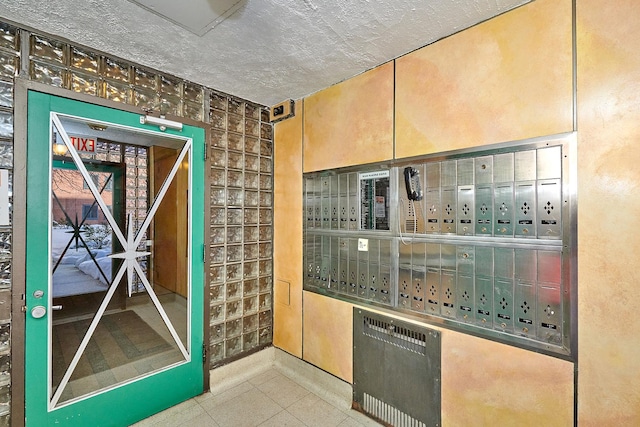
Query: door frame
point(18, 310)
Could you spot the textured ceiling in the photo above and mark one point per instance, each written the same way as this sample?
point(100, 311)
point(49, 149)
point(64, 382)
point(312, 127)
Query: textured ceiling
point(264, 51)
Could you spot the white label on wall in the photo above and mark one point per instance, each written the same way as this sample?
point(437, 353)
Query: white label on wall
point(4, 197)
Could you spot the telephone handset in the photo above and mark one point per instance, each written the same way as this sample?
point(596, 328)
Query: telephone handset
point(412, 183)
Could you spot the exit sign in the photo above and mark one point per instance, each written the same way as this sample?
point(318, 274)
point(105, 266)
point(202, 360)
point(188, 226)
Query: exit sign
point(83, 143)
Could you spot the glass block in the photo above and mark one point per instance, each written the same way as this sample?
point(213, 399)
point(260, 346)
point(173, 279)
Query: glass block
point(234, 272)
point(266, 165)
point(251, 216)
point(116, 70)
point(47, 49)
point(234, 253)
point(144, 79)
point(6, 125)
point(234, 178)
point(217, 235)
point(193, 93)
point(266, 148)
point(9, 37)
point(216, 293)
point(233, 346)
point(236, 106)
point(234, 234)
point(218, 138)
point(266, 232)
point(216, 274)
point(217, 313)
point(234, 160)
point(251, 111)
point(264, 336)
point(252, 127)
point(218, 216)
point(250, 234)
point(250, 323)
point(264, 301)
point(234, 309)
point(252, 145)
point(144, 99)
point(266, 182)
point(4, 337)
point(84, 83)
point(251, 163)
point(234, 216)
point(218, 197)
point(250, 287)
point(218, 119)
point(265, 216)
point(5, 391)
point(233, 328)
point(264, 115)
point(251, 198)
point(265, 267)
point(218, 101)
point(264, 318)
point(265, 284)
point(218, 158)
point(266, 250)
point(170, 105)
point(250, 269)
point(218, 177)
point(266, 131)
point(250, 305)
point(85, 61)
point(234, 291)
point(235, 197)
point(251, 180)
point(216, 255)
point(216, 352)
point(192, 110)
point(266, 199)
point(170, 86)
point(216, 333)
point(235, 141)
point(117, 92)
point(5, 273)
point(250, 251)
point(6, 94)
point(45, 73)
point(249, 341)
point(235, 123)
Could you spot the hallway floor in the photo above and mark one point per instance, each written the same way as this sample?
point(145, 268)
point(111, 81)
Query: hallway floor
point(267, 398)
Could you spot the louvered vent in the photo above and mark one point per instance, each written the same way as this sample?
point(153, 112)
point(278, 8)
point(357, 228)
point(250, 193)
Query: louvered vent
point(396, 371)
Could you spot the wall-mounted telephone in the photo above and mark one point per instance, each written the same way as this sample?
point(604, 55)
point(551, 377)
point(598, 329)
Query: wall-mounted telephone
point(412, 183)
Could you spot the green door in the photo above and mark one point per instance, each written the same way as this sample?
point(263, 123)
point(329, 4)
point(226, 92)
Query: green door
point(114, 266)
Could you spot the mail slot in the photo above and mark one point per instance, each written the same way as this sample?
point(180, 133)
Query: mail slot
point(484, 209)
point(363, 277)
point(503, 209)
point(466, 210)
point(503, 304)
point(525, 309)
point(549, 312)
point(335, 212)
point(309, 261)
point(317, 256)
point(449, 210)
point(549, 209)
point(334, 268)
point(404, 276)
point(344, 265)
point(464, 287)
point(374, 269)
point(483, 170)
point(448, 280)
point(384, 288)
point(353, 266)
point(309, 201)
point(343, 200)
point(432, 304)
point(525, 211)
point(418, 276)
point(325, 189)
point(503, 167)
point(433, 210)
point(326, 262)
point(354, 213)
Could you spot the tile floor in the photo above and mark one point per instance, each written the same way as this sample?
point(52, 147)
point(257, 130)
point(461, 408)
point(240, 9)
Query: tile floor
point(267, 399)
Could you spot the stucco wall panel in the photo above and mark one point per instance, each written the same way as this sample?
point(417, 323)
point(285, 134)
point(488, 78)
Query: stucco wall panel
point(608, 177)
point(506, 79)
point(287, 229)
point(351, 122)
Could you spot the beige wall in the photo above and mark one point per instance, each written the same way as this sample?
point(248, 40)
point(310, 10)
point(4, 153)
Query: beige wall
point(506, 79)
point(609, 212)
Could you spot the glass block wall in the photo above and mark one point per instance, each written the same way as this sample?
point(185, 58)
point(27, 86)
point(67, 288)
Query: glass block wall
point(241, 180)
point(241, 234)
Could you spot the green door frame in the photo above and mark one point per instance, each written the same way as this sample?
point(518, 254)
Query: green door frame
point(113, 406)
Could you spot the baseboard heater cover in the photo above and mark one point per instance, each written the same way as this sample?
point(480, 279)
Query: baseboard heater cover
point(396, 371)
